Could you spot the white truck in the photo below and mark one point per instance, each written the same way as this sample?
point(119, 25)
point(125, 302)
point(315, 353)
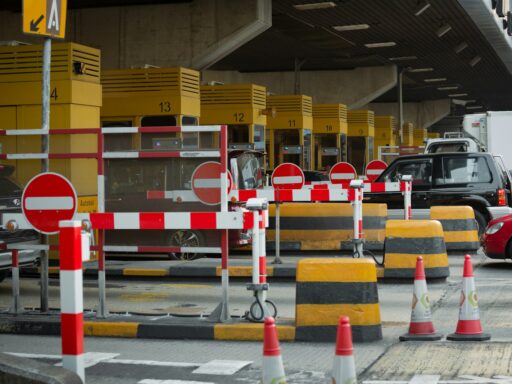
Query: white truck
point(489, 132)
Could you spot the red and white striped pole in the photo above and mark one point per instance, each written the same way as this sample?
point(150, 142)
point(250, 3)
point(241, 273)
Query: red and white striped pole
point(71, 296)
point(356, 198)
point(407, 180)
point(16, 308)
point(102, 296)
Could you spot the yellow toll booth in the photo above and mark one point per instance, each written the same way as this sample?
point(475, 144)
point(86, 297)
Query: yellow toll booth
point(289, 132)
point(408, 134)
point(242, 107)
point(330, 134)
point(419, 137)
point(150, 97)
point(385, 133)
point(361, 132)
point(75, 102)
point(433, 135)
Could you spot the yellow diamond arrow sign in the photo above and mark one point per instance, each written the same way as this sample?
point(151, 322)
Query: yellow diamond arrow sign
point(45, 17)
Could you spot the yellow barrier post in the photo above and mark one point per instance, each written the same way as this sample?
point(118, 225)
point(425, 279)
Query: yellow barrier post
point(459, 226)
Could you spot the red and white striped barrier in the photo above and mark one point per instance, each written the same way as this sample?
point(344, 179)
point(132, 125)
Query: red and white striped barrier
point(71, 297)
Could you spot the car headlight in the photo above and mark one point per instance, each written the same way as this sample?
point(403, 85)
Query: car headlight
point(494, 228)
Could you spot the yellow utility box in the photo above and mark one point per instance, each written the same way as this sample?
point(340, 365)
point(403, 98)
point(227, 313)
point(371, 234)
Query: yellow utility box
point(419, 136)
point(360, 142)
point(330, 134)
point(385, 133)
point(433, 135)
point(242, 107)
point(75, 102)
point(149, 97)
point(290, 131)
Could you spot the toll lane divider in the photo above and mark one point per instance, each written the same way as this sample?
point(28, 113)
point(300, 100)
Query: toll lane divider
point(326, 226)
point(459, 226)
point(330, 288)
point(408, 239)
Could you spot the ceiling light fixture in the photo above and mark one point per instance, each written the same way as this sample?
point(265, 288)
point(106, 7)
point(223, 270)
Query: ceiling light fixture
point(403, 58)
point(462, 46)
point(457, 94)
point(422, 7)
point(353, 27)
point(475, 60)
point(475, 107)
point(443, 30)
point(418, 70)
point(470, 101)
point(435, 80)
point(380, 45)
point(450, 88)
point(313, 6)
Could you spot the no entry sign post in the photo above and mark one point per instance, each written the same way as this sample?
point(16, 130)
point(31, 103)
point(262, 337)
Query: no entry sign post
point(342, 173)
point(374, 169)
point(285, 176)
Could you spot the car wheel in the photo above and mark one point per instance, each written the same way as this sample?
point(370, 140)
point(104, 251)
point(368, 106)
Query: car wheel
point(481, 222)
point(186, 238)
point(3, 275)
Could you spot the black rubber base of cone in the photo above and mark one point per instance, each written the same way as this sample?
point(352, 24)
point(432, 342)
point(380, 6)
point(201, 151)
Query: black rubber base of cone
point(462, 337)
point(425, 337)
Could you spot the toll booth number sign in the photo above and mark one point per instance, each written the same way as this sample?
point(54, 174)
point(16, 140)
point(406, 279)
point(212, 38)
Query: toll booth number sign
point(45, 17)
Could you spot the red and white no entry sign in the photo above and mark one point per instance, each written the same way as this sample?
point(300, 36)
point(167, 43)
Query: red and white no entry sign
point(342, 173)
point(47, 199)
point(206, 182)
point(374, 169)
point(288, 176)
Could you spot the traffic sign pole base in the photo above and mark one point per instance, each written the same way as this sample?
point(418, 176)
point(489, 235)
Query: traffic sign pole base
point(220, 314)
point(425, 337)
point(473, 337)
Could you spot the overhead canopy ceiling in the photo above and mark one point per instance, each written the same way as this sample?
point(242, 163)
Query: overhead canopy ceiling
point(307, 37)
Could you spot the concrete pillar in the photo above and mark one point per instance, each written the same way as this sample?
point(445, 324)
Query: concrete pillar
point(422, 114)
point(355, 88)
point(195, 34)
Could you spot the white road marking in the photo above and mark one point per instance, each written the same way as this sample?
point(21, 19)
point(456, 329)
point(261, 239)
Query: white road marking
point(425, 379)
point(34, 355)
point(463, 379)
point(151, 381)
point(153, 363)
point(93, 358)
point(221, 367)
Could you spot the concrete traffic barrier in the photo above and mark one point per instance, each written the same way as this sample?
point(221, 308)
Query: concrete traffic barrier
point(20, 370)
point(330, 288)
point(407, 239)
point(459, 226)
point(326, 226)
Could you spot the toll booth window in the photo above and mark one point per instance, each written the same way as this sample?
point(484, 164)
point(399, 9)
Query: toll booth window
point(307, 149)
point(189, 120)
point(159, 140)
point(238, 133)
point(420, 170)
point(259, 136)
point(118, 142)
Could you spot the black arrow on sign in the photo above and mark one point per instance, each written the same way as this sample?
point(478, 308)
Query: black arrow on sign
point(34, 24)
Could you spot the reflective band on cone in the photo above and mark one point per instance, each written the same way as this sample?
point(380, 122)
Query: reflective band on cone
point(344, 368)
point(272, 367)
point(421, 326)
point(468, 326)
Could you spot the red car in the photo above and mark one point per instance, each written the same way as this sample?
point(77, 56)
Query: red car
point(497, 238)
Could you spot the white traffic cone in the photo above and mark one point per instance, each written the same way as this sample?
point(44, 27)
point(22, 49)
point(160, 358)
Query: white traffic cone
point(272, 367)
point(421, 327)
point(344, 368)
point(469, 327)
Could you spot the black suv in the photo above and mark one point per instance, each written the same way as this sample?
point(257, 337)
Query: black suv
point(10, 202)
point(476, 179)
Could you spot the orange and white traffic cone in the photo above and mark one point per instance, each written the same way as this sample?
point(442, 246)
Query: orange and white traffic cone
point(421, 327)
point(344, 368)
point(468, 327)
point(272, 367)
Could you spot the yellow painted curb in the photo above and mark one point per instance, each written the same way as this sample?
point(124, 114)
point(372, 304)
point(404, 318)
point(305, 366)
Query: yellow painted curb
point(242, 271)
point(145, 272)
point(406, 260)
point(93, 328)
point(250, 332)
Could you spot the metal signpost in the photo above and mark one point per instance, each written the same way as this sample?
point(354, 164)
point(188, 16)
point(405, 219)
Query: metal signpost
point(285, 176)
point(45, 18)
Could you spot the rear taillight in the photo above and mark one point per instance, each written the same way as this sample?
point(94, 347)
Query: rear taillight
point(502, 197)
